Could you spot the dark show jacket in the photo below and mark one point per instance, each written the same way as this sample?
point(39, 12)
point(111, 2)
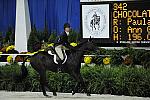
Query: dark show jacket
point(63, 39)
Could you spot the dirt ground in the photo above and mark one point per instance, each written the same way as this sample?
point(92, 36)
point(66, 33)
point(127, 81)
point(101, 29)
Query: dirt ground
point(62, 96)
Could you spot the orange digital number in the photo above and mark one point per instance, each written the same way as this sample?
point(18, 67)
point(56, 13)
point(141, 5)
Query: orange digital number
point(120, 6)
point(148, 36)
point(115, 6)
point(129, 37)
point(124, 6)
point(137, 36)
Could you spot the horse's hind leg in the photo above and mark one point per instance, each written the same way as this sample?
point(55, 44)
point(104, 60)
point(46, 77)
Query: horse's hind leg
point(44, 83)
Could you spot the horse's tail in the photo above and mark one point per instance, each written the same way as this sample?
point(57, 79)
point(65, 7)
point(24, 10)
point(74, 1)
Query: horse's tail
point(24, 71)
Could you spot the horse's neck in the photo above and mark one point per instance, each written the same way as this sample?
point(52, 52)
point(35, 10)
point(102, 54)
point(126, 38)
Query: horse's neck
point(82, 47)
point(77, 55)
point(80, 51)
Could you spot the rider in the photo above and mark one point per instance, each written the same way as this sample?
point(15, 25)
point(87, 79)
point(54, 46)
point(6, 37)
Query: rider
point(63, 39)
point(63, 44)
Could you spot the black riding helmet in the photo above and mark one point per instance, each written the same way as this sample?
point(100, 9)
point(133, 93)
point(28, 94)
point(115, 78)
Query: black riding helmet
point(66, 25)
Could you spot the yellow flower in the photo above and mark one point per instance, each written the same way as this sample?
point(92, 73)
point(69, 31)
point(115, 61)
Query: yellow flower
point(41, 50)
point(28, 53)
point(87, 59)
point(10, 48)
point(34, 52)
point(50, 45)
point(73, 44)
point(28, 60)
point(106, 60)
point(1, 53)
point(9, 59)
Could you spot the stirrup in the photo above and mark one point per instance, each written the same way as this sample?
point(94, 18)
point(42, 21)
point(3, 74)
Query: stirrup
point(60, 67)
point(59, 70)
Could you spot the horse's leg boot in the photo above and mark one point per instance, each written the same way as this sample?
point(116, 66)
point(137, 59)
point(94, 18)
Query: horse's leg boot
point(54, 93)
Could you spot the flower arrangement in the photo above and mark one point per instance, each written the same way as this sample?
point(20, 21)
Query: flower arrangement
point(128, 60)
point(41, 50)
point(34, 52)
point(28, 60)
point(3, 49)
point(73, 44)
point(11, 47)
point(18, 59)
point(28, 53)
point(1, 53)
point(50, 45)
point(87, 59)
point(9, 59)
point(106, 60)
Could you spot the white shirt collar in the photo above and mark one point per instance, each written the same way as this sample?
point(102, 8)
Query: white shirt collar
point(67, 33)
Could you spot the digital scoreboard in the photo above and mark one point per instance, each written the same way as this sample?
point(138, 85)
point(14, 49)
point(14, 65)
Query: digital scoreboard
point(117, 22)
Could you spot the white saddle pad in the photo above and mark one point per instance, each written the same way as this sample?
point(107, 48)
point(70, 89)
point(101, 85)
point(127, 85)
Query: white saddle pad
point(55, 57)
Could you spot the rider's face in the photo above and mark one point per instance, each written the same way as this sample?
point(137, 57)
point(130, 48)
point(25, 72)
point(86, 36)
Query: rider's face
point(67, 29)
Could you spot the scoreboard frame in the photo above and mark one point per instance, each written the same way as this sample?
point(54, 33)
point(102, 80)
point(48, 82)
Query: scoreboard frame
point(96, 40)
point(109, 42)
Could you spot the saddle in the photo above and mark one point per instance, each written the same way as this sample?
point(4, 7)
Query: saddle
point(60, 56)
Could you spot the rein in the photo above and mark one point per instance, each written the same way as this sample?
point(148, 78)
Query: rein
point(81, 50)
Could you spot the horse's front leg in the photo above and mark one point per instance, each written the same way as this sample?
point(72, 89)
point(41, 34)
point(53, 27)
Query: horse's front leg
point(54, 91)
point(84, 86)
point(75, 88)
point(80, 81)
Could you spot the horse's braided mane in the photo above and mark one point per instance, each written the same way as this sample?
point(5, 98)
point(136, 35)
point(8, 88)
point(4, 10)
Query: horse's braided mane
point(80, 44)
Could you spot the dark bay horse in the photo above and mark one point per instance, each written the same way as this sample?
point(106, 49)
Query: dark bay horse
point(43, 61)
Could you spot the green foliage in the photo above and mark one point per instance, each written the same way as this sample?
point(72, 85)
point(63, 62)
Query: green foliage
point(138, 56)
point(116, 58)
point(117, 80)
point(7, 38)
point(10, 36)
point(33, 39)
point(52, 37)
point(43, 36)
point(145, 59)
point(74, 36)
point(45, 33)
point(7, 77)
point(1, 38)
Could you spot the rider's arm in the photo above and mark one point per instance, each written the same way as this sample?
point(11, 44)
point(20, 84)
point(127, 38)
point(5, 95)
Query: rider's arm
point(64, 41)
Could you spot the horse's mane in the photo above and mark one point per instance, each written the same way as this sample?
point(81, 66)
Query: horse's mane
point(81, 43)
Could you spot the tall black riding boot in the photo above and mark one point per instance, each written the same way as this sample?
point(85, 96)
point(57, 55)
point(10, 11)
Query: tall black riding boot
point(59, 69)
point(59, 66)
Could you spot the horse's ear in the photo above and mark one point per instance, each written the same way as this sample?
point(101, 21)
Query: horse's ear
point(90, 39)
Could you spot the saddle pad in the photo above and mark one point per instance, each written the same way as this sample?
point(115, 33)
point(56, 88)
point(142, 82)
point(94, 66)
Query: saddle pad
point(55, 57)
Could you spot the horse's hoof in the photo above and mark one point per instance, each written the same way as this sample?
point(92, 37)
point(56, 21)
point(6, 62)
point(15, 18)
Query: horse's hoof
point(88, 94)
point(54, 94)
point(73, 93)
point(45, 95)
